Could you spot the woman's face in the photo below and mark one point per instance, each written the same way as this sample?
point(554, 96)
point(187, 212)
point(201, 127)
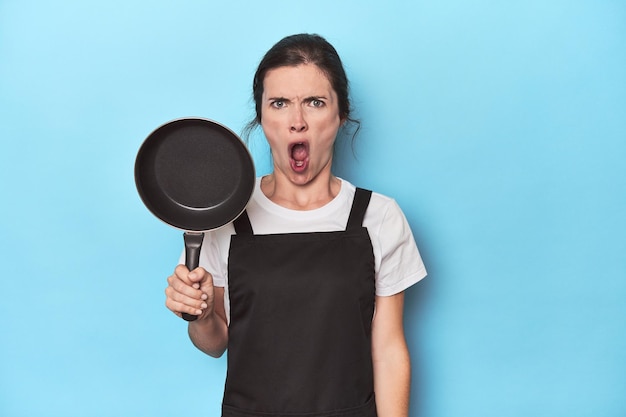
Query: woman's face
point(300, 119)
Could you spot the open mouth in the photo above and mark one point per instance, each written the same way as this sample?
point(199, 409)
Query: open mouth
point(299, 152)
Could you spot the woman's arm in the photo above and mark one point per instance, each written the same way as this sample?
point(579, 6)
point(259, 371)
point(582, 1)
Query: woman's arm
point(194, 293)
point(392, 365)
point(210, 332)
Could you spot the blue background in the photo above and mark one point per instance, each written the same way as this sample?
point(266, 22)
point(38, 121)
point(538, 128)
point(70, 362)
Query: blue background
point(500, 128)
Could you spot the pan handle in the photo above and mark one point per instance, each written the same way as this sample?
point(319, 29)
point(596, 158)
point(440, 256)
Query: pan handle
point(193, 244)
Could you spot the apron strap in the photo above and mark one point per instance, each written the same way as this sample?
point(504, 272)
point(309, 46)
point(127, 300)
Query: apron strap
point(359, 207)
point(242, 224)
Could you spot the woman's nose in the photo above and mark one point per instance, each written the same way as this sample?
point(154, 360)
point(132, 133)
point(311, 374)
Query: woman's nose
point(298, 124)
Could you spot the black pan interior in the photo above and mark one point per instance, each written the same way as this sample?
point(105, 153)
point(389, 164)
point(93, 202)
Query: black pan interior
point(194, 174)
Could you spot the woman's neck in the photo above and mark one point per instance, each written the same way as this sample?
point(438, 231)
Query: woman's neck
point(312, 195)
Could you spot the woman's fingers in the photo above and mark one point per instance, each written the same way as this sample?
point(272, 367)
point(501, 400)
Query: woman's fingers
point(189, 292)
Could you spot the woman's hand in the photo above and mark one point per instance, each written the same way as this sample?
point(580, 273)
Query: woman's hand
point(193, 293)
point(190, 292)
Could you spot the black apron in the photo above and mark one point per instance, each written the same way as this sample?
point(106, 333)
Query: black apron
point(301, 308)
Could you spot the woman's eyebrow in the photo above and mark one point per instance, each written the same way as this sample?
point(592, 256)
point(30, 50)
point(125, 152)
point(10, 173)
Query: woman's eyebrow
point(312, 98)
point(277, 98)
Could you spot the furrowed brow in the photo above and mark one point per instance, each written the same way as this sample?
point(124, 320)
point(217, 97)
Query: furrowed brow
point(278, 98)
point(313, 98)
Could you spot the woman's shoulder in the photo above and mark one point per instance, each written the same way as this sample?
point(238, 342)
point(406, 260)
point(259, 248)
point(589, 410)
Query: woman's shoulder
point(378, 201)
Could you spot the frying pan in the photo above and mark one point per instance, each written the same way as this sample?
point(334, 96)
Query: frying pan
point(195, 175)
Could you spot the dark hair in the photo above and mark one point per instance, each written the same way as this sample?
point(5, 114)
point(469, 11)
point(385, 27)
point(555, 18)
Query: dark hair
point(296, 50)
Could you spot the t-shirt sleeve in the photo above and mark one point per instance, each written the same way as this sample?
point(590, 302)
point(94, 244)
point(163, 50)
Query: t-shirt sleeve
point(400, 265)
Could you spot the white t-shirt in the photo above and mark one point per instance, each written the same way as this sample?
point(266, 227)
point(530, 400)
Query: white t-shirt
point(398, 264)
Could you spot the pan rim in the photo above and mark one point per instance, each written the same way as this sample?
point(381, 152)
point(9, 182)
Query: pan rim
point(181, 216)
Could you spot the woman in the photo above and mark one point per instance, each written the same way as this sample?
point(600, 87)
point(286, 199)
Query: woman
point(306, 287)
